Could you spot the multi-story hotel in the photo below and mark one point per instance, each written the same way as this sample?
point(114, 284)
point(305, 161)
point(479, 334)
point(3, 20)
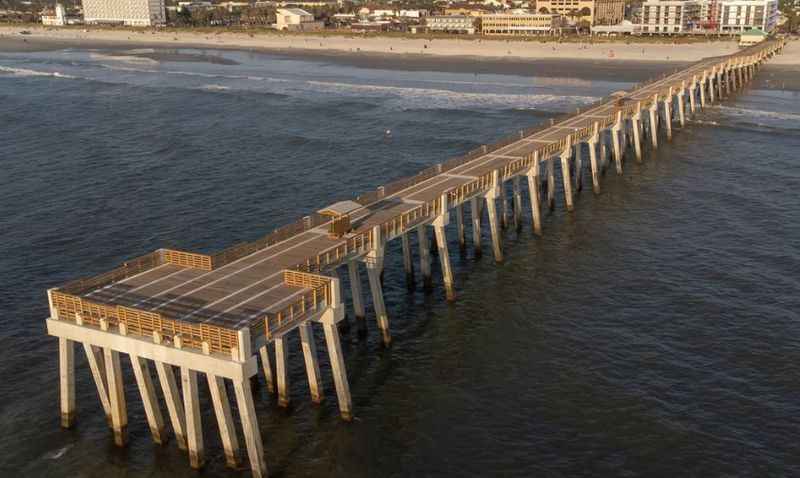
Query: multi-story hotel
point(596, 12)
point(669, 16)
point(519, 23)
point(736, 16)
point(450, 24)
point(140, 13)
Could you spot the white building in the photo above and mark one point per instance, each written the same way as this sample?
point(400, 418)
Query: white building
point(296, 20)
point(57, 19)
point(672, 17)
point(736, 16)
point(139, 13)
point(450, 24)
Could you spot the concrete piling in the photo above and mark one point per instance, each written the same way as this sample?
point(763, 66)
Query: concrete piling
point(551, 183)
point(408, 263)
point(517, 203)
point(461, 230)
point(358, 298)
point(194, 427)
point(222, 412)
point(147, 392)
point(535, 196)
point(309, 347)
point(424, 258)
point(475, 209)
point(66, 371)
point(592, 144)
point(282, 370)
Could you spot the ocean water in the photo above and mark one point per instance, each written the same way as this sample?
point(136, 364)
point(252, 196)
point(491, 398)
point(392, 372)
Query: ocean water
point(653, 332)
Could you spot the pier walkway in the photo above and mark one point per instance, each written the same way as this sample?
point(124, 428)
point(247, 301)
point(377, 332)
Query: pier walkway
point(215, 313)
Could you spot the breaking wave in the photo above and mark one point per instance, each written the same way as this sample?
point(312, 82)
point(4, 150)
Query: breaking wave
point(26, 72)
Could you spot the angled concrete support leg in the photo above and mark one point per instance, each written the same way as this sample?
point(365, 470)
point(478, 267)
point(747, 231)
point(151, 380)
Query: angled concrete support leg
point(565, 175)
point(222, 411)
point(517, 203)
point(94, 356)
point(358, 298)
point(444, 257)
point(66, 375)
point(194, 426)
point(266, 367)
point(503, 205)
point(703, 84)
point(116, 397)
point(374, 268)
point(592, 143)
point(177, 417)
point(476, 211)
point(535, 196)
point(338, 368)
point(636, 122)
point(617, 142)
point(152, 410)
point(408, 263)
point(654, 124)
point(282, 370)
point(252, 434)
point(668, 114)
point(312, 364)
point(578, 167)
point(425, 258)
point(692, 98)
point(491, 209)
point(551, 184)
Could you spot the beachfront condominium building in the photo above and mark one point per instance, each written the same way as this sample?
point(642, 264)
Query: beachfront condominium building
point(671, 17)
point(736, 16)
point(450, 24)
point(520, 23)
point(296, 20)
point(595, 12)
point(138, 13)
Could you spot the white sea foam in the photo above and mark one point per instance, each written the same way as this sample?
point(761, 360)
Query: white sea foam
point(762, 114)
point(56, 454)
point(428, 98)
point(27, 72)
point(140, 60)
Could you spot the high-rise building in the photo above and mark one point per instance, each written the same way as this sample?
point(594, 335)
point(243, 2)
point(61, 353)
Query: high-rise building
point(140, 13)
point(736, 16)
point(669, 16)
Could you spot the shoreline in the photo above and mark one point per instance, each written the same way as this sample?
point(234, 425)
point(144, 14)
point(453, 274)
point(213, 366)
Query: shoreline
point(496, 48)
point(581, 61)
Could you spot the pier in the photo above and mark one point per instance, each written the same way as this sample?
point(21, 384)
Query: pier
point(224, 318)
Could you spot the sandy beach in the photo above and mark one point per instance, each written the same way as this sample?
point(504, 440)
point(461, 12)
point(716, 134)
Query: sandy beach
point(483, 48)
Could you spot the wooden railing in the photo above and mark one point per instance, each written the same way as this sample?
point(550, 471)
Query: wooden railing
point(126, 269)
point(315, 297)
point(189, 260)
point(143, 323)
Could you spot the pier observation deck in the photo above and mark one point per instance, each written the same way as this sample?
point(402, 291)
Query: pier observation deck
point(206, 312)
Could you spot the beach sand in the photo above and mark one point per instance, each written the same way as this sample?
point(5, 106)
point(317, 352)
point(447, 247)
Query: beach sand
point(484, 48)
